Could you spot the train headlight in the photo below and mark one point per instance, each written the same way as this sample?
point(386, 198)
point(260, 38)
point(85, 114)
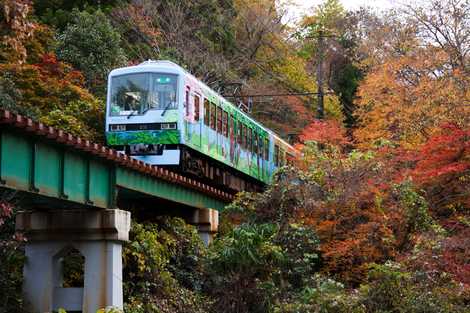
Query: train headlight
point(117, 127)
point(168, 126)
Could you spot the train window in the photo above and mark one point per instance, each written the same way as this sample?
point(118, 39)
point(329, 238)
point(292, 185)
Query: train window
point(219, 120)
point(260, 147)
point(248, 139)
point(239, 133)
point(213, 115)
point(243, 135)
point(206, 112)
point(266, 149)
point(276, 155)
point(186, 100)
point(196, 108)
point(232, 128)
point(129, 93)
point(255, 143)
point(138, 93)
point(225, 124)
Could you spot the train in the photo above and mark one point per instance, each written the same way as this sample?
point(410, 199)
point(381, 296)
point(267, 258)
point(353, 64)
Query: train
point(159, 113)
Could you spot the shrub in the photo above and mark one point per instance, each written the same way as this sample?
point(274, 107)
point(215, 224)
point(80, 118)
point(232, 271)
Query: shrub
point(92, 45)
point(151, 261)
point(11, 260)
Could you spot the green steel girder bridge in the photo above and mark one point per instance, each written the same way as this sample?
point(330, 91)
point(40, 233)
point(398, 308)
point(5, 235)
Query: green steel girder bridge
point(76, 194)
point(61, 169)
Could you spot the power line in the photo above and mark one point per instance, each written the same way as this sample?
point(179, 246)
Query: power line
point(276, 95)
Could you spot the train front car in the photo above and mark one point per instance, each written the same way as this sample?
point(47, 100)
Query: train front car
point(162, 115)
point(142, 112)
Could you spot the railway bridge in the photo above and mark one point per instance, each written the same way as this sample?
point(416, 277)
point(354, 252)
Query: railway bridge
point(78, 195)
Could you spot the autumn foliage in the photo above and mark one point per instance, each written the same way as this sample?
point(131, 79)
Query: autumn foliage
point(330, 132)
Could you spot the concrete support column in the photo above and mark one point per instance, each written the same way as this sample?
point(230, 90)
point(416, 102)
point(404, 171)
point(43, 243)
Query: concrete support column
point(103, 273)
point(207, 223)
point(97, 235)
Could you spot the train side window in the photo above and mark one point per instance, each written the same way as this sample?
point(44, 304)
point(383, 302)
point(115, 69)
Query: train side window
point(248, 139)
point(266, 149)
point(219, 120)
point(206, 112)
point(196, 108)
point(213, 115)
point(187, 100)
point(255, 143)
point(244, 136)
point(276, 155)
point(239, 133)
point(225, 124)
point(260, 147)
point(232, 128)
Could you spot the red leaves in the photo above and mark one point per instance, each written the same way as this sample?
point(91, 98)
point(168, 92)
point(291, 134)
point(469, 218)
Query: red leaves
point(443, 155)
point(50, 66)
point(5, 211)
point(325, 132)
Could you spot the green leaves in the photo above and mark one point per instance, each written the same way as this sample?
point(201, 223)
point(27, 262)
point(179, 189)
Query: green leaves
point(247, 248)
point(92, 45)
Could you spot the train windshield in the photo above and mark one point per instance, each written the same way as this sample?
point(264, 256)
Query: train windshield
point(138, 93)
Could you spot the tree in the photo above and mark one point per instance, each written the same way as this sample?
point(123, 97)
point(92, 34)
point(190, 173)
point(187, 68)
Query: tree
point(406, 99)
point(443, 170)
point(137, 22)
point(445, 24)
point(52, 92)
point(92, 45)
point(15, 29)
point(420, 81)
point(324, 132)
point(328, 39)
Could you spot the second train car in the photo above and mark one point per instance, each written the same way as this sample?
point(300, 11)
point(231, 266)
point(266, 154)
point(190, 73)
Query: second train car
point(159, 113)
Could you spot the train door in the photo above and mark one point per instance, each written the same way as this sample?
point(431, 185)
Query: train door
point(266, 159)
point(256, 153)
point(205, 129)
point(196, 136)
point(232, 138)
point(225, 140)
point(218, 130)
point(187, 114)
point(192, 118)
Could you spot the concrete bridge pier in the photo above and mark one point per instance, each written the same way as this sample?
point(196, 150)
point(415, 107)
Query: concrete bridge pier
point(96, 235)
point(207, 223)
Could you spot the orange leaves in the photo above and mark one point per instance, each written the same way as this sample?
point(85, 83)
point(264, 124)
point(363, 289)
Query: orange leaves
point(407, 98)
point(18, 29)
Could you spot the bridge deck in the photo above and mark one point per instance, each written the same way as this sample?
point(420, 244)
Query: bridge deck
point(42, 160)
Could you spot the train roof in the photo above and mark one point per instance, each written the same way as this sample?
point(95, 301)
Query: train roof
point(172, 67)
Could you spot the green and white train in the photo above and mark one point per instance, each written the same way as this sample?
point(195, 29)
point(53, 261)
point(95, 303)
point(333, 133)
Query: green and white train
point(159, 113)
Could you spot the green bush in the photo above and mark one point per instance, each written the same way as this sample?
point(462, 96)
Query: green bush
point(242, 268)
point(161, 268)
point(302, 257)
point(322, 295)
point(11, 261)
point(92, 45)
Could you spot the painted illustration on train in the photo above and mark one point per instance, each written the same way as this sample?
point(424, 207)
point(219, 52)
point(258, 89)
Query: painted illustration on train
point(159, 113)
